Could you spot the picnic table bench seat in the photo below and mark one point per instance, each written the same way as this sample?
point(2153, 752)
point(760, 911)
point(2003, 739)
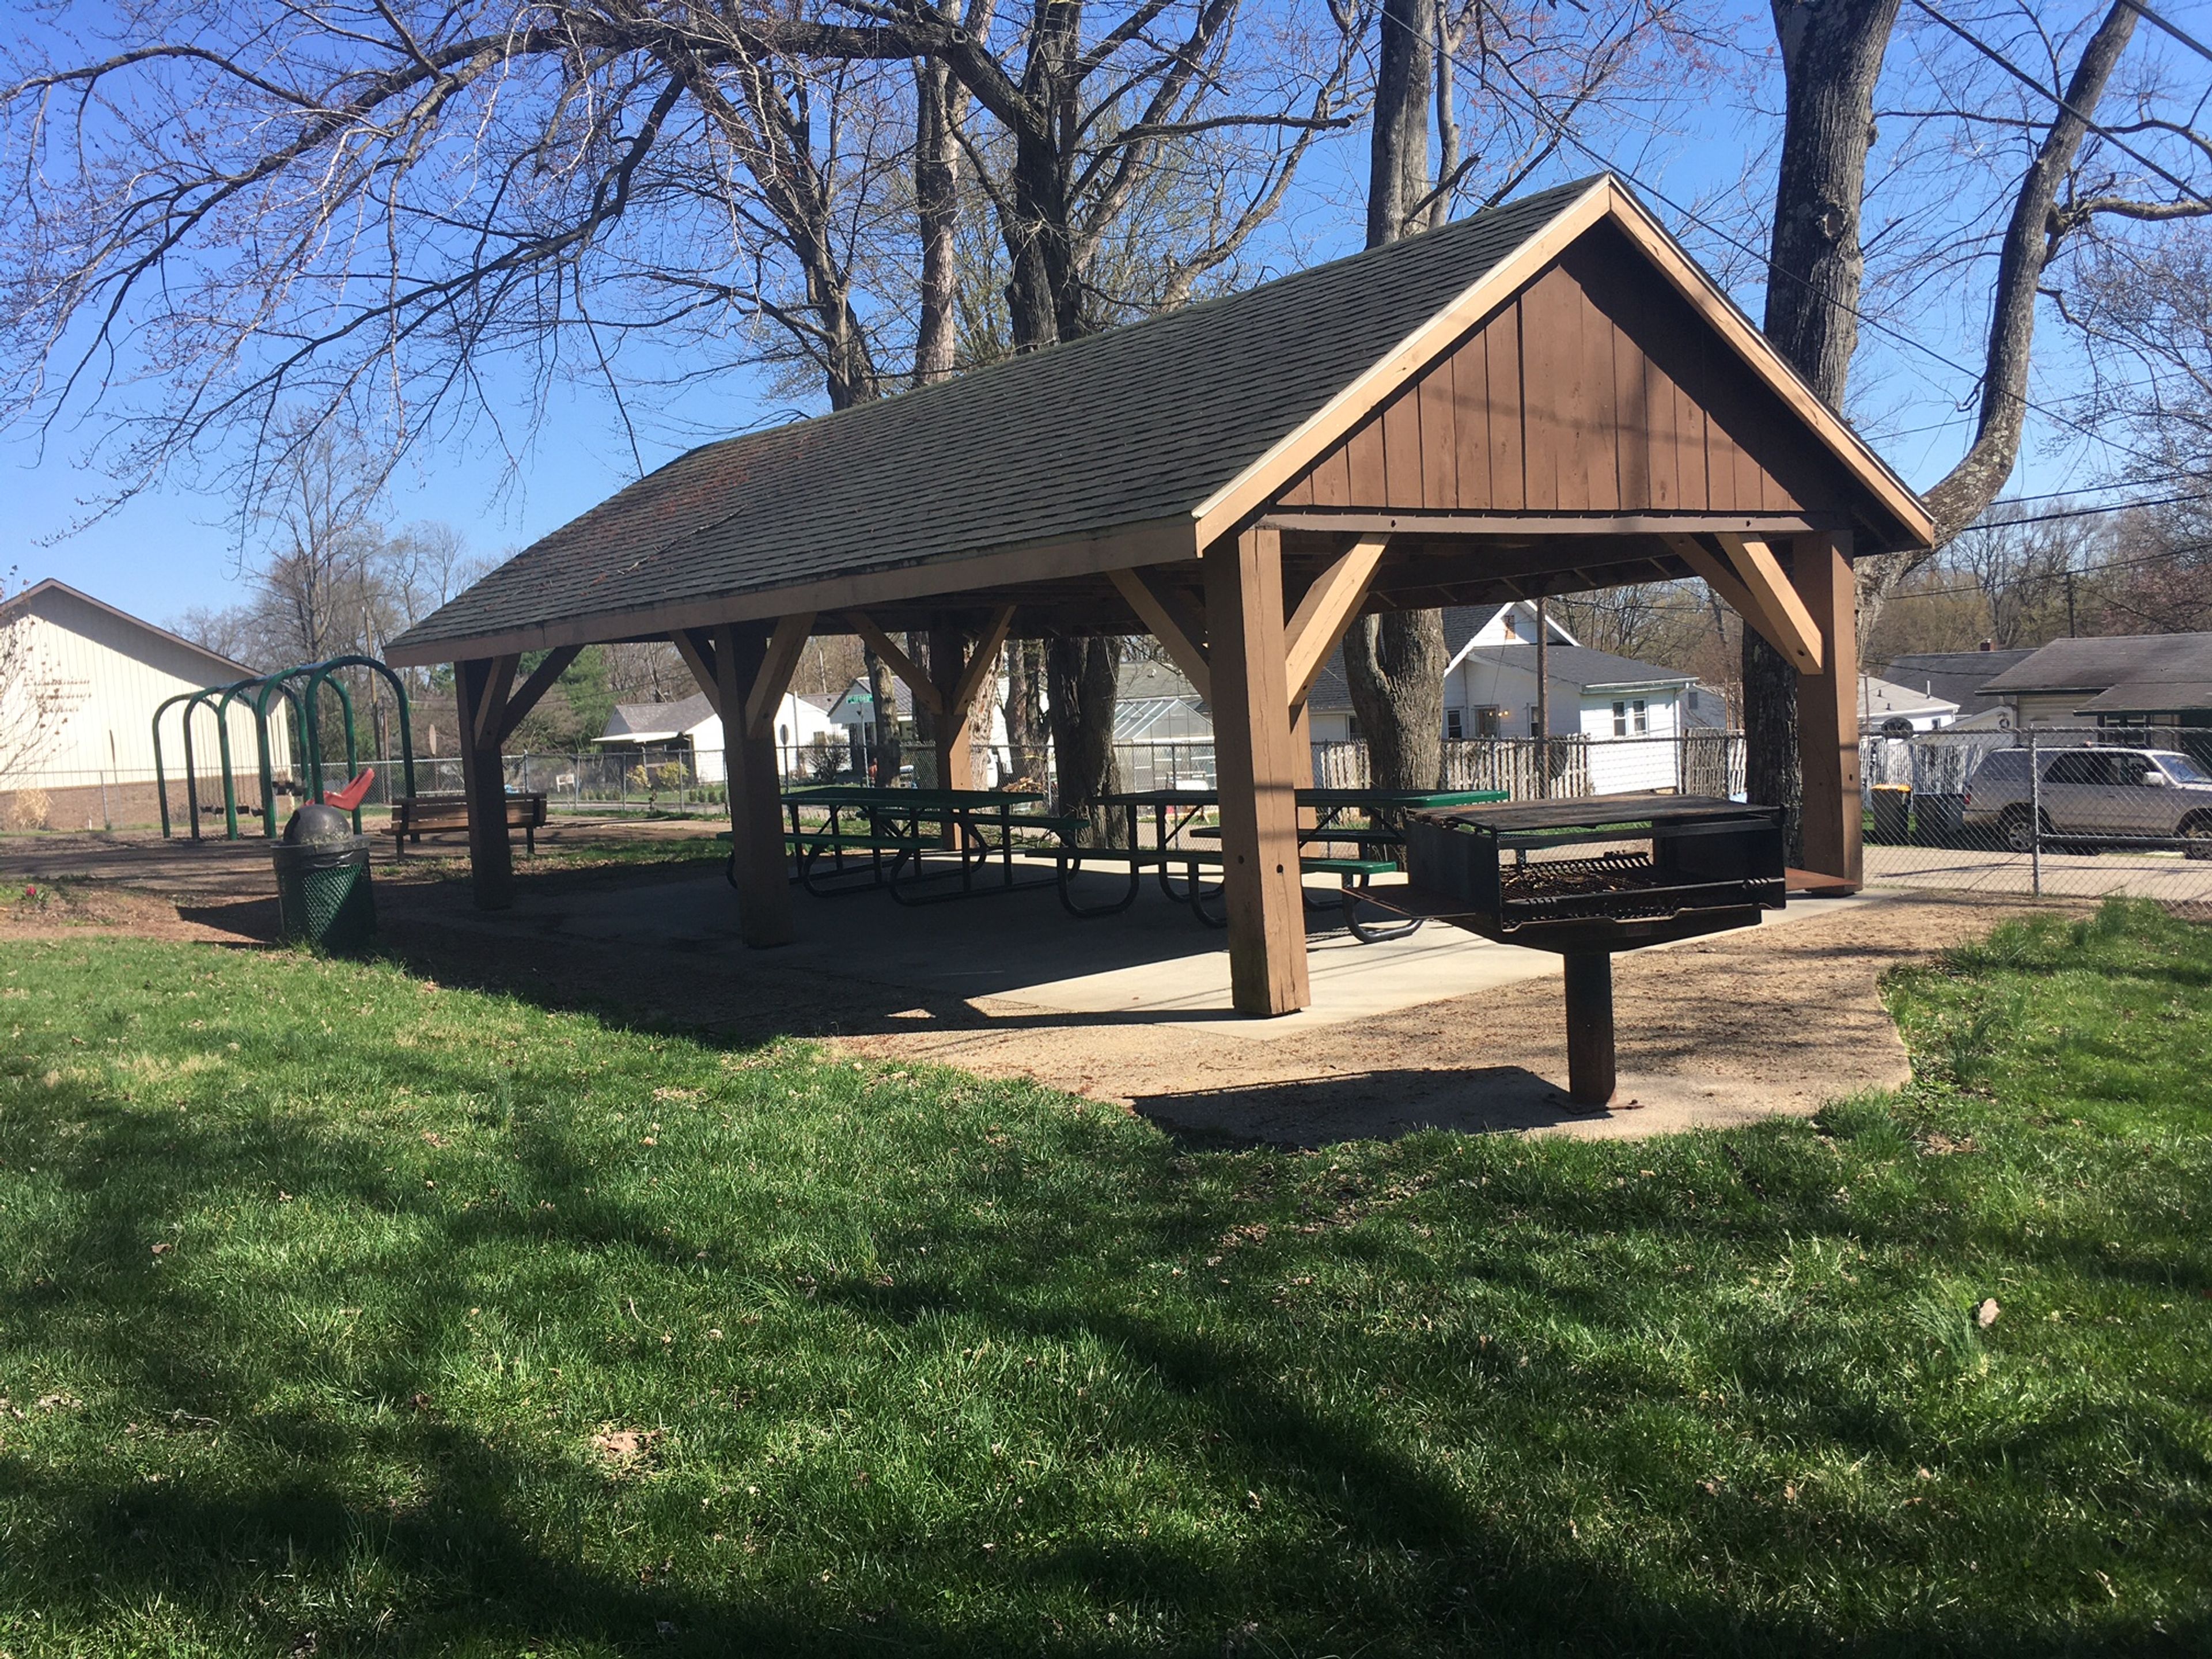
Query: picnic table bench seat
point(1353, 874)
point(414, 816)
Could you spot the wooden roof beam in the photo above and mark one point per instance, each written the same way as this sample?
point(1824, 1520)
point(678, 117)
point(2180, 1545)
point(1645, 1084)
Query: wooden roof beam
point(773, 678)
point(983, 659)
point(494, 706)
point(1171, 623)
point(539, 683)
point(1325, 611)
point(923, 688)
point(1755, 588)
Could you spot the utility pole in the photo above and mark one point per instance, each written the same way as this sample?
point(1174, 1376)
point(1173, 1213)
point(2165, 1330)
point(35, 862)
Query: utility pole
point(2070, 632)
point(1543, 704)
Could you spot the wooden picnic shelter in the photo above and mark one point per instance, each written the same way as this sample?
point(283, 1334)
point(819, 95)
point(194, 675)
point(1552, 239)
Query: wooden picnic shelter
point(1547, 397)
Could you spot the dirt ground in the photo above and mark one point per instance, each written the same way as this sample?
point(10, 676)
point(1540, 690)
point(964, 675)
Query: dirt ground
point(1715, 1031)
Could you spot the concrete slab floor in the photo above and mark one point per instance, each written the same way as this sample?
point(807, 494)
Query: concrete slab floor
point(1016, 955)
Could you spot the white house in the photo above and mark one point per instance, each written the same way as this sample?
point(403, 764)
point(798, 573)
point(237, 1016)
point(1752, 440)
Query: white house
point(692, 725)
point(1887, 709)
point(854, 713)
point(79, 683)
point(1490, 691)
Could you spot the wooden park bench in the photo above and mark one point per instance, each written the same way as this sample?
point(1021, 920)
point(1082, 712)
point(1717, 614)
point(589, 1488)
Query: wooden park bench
point(414, 816)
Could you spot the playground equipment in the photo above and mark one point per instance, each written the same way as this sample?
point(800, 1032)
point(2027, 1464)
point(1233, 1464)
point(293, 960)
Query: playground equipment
point(305, 731)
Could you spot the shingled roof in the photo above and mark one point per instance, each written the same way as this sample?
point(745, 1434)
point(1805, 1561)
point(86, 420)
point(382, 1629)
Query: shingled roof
point(1140, 429)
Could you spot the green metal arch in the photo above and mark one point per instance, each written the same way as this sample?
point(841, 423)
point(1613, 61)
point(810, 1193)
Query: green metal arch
point(160, 778)
point(306, 740)
point(323, 672)
point(222, 746)
point(272, 684)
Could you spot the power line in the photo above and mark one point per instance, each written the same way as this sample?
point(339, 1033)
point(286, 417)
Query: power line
point(1570, 137)
point(2157, 22)
point(2079, 512)
point(1866, 319)
point(2059, 98)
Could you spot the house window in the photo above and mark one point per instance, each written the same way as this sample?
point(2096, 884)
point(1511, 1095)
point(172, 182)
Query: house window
point(1629, 717)
point(1490, 722)
point(1351, 728)
point(1454, 724)
point(1534, 730)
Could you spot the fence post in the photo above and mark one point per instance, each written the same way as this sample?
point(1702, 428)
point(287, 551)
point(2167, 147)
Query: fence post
point(2035, 814)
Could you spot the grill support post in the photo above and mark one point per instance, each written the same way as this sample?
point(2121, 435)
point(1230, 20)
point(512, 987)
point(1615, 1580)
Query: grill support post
point(1589, 1027)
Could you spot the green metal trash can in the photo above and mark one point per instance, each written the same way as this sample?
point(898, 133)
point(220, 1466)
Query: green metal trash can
point(323, 891)
point(1892, 812)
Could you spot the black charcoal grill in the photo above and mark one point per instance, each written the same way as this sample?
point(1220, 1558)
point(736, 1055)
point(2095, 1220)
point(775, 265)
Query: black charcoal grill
point(1590, 875)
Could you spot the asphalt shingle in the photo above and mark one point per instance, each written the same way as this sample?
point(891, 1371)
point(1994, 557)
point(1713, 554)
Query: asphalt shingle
point(1139, 423)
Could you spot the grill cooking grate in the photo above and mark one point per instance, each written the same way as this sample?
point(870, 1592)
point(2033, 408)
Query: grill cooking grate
point(1621, 886)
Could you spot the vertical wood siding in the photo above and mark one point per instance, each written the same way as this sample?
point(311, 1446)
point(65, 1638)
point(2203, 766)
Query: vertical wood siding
point(1596, 389)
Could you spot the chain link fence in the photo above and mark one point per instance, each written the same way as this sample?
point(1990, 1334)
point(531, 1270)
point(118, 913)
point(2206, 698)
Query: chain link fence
point(2078, 812)
point(669, 781)
point(2063, 811)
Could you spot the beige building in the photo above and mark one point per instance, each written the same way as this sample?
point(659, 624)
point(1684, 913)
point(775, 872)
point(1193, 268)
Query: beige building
point(79, 682)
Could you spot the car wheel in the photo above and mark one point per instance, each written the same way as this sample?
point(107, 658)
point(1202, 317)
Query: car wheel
point(2019, 835)
point(2197, 832)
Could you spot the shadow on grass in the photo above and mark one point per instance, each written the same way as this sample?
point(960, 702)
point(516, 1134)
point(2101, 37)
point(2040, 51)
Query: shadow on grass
point(1382, 1532)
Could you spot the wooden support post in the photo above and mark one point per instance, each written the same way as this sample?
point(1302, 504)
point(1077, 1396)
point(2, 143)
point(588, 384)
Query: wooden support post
point(1590, 1080)
point(758, 864)
point(1258, 773)
point(1827, 708)
point(948, 661)
point(480, 688)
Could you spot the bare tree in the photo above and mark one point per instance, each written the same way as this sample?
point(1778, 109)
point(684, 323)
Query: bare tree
point(2074, 175)
point(350, 215)
point(1655, 621)
point(33, 702)
point(1529, 75)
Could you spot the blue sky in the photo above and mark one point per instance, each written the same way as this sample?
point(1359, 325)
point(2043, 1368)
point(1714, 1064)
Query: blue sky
point(170, 549)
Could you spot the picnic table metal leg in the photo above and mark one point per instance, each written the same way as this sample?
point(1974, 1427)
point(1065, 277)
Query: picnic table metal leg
point(1370, 933)
point(1070, 864)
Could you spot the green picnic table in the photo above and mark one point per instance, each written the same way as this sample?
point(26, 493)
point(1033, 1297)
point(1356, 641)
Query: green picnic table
point(862, 823)
point(1175, 814)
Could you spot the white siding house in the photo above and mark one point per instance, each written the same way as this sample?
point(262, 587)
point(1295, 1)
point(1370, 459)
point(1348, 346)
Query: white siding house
point(78, 714)
point(693, 725)
point(1620, 705)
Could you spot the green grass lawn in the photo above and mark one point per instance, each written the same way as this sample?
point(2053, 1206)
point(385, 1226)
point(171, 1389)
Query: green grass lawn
point(344, 1313)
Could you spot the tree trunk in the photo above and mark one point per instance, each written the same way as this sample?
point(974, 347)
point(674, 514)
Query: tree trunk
point(1083, 673)
point(1773, 775)
point(1025, 725)
point(1831, 56)
point(884, 764)
point(1394, 664)
point(1398, 160)
point(937, 201)
point(2032, 240)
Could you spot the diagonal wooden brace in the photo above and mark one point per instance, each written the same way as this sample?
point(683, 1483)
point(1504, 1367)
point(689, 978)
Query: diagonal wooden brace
point(923, 688)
